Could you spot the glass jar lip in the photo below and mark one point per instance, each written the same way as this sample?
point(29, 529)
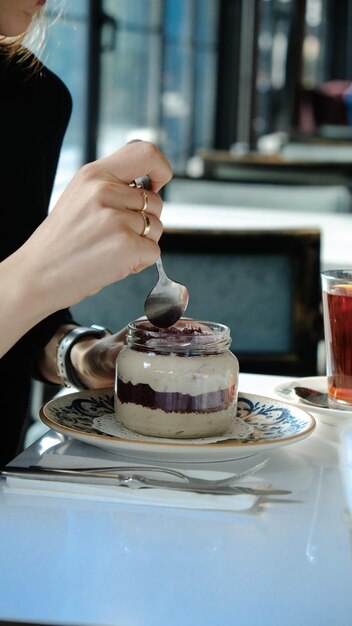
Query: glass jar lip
point(153, 330)
point(144, 336)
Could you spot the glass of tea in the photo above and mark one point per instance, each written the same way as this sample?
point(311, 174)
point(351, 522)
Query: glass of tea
point(337, 314)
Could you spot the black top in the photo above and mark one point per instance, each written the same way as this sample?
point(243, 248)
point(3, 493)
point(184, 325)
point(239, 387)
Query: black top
point(35, 108)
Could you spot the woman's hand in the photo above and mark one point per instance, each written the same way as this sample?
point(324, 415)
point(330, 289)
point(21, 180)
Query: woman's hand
point(95, 360)
point(92, 238)
point(93, 235)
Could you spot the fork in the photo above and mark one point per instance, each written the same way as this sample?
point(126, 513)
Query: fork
point(137, 481)
point(191, 480)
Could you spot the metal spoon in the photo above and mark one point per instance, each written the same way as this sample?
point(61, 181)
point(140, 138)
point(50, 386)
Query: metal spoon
point(167, 302)
point(312, 396)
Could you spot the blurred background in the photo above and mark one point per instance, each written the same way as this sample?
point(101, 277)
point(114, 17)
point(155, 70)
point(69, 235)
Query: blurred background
point(250, 78)
point(251, 101)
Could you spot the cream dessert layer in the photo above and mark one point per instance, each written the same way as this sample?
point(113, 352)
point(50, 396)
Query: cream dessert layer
point(191, 375)
point(179, 382)
point(158, 423)
point(191, 397)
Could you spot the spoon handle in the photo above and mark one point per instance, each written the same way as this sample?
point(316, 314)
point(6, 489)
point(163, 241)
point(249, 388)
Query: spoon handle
point(142, 182)
point(160, 268)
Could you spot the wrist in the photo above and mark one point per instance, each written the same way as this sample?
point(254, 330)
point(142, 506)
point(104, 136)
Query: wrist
point(70, 355)
point(79, 360)
point(46, 366)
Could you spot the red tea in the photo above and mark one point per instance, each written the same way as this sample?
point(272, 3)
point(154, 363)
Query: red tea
point(338, 338)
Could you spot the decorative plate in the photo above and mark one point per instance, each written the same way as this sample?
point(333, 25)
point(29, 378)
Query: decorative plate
point(272, 424)
point(333, 417)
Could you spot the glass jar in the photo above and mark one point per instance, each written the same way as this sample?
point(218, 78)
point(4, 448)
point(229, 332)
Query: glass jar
point(178, 382)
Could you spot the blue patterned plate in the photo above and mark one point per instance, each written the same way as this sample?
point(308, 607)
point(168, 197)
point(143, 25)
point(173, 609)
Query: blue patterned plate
point(272, 422)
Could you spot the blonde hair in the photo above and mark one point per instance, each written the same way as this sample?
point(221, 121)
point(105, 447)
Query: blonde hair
point(32, 42)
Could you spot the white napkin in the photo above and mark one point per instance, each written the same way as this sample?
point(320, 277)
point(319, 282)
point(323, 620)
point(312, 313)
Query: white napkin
point(150, 497)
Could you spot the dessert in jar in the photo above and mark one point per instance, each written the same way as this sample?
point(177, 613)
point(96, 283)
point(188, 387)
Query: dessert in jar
point(177, 382)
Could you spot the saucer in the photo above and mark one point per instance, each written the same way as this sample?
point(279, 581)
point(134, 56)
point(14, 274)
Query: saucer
point(273, 424)
point(332, 417)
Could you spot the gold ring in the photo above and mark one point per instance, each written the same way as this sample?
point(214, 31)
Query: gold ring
point(145, 202)
point(146, 229)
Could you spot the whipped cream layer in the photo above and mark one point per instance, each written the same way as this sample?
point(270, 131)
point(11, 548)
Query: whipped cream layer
point(192, 375)
point(176, 396)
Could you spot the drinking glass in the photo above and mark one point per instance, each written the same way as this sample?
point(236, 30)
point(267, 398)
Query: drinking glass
point(337, 314)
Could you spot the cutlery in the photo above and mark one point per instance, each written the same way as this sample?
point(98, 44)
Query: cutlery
point(191, 480)
point(168, 300)
point(312, 396)
point(134, 481)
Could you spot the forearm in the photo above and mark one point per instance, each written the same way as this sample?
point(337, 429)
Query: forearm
point(22, 305)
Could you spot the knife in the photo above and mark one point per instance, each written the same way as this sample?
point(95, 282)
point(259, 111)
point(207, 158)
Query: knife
point(133, 481)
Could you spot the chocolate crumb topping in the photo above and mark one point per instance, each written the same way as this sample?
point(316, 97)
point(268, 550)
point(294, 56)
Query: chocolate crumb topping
point(181, 328)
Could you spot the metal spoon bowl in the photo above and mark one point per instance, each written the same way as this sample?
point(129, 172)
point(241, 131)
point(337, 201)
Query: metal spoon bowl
point(313, 397)
point(167, 301)
point(320, 400)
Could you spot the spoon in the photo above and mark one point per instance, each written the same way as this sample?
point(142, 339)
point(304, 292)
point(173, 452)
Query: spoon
point(312, 396)
point(167, 302)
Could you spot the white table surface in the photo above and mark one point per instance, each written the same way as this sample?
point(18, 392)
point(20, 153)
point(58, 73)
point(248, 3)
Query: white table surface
point(287, 561)
point(336, 228)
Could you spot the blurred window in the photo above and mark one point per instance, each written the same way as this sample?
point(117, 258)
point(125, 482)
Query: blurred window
point(191, 74)
point(159, 82)
point(65, 53)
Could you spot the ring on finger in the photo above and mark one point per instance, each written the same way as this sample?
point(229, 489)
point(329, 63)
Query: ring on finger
point(145, 202)
point(146, 229)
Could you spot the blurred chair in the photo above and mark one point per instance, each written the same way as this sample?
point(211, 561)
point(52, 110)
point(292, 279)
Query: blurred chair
point(265, 285)
point(315, 198)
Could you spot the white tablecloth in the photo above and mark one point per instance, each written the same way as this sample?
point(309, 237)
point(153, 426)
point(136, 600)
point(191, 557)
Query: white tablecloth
point(287, 561)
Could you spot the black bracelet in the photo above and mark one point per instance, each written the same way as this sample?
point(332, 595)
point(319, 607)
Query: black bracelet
point(65, 368)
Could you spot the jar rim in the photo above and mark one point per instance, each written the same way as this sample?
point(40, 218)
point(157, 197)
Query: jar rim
point(144, 336)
